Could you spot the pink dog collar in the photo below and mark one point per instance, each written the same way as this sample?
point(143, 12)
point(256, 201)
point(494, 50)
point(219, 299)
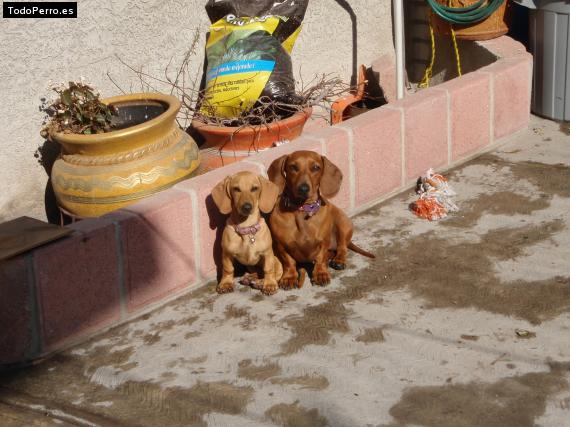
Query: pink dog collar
point(248, 231)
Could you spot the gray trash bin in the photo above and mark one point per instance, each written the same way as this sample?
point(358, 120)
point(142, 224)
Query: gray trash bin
point(549, 36)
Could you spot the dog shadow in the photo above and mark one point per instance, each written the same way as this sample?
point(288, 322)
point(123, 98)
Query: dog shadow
point(217, 223)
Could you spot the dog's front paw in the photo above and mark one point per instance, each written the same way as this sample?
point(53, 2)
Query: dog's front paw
point(289, 281)
point(225, 287)
point(321, 277)
point(269, 287)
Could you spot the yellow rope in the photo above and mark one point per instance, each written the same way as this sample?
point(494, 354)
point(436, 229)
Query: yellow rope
point(429, 69)
point(457, 59)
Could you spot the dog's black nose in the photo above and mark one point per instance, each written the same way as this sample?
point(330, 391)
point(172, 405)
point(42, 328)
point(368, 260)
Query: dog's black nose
point(303, 189)
point(246, 207)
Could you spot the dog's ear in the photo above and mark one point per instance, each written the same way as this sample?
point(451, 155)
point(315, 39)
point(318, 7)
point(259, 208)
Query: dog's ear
point(268, 195)
point(221, 196)
point(276, 172)
point(331, 179)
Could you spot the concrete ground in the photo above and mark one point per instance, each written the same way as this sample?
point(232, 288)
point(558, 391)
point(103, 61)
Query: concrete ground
point(461, 322)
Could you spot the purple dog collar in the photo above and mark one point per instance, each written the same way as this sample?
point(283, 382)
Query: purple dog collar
point(311, 208)
point(248, 231)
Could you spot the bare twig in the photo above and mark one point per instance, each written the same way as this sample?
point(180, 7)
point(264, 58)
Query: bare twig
point(321, 91)
point(115, 83)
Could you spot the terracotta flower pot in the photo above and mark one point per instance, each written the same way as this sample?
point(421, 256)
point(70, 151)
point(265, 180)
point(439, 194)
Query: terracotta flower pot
point(496, 25)
point(103, 172)
point(225, 144)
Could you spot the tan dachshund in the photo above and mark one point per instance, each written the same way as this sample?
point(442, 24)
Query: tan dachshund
point(305, 224)
point(246, 237)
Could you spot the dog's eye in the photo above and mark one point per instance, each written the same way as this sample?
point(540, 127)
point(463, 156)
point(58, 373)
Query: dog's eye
point(315, 168)
point(254, 189)
point(293, 168)
point(237, 190)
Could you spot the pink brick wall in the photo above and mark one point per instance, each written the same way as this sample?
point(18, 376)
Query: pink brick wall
point(116, 267)
point(15, 311)
point(376, 144)
point(77, 281)
point(425, 132)
point(511, 94)
point(469, 111)
point(158, 248)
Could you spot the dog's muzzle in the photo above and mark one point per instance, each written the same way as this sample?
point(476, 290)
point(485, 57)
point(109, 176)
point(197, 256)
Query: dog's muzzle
point(303, 190)
point(246, 208)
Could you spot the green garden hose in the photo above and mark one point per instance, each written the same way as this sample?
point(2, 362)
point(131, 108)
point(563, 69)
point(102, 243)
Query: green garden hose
point(471, 14)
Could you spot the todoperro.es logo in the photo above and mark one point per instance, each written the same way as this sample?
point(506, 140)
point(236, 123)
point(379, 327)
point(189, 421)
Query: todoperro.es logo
point(36, 9)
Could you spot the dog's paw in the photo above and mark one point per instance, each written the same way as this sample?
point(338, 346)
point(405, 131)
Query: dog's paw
point(289, 282)
point(337, 265)
point(225, 287)
point(321, 278)
point(250, 279)
point(269, 288)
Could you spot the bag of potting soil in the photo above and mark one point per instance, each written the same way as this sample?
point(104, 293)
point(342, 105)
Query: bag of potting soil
point(248, 54)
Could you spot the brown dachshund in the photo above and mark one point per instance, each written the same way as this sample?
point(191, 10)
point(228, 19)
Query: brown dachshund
point(304, 222)
point(246, 237)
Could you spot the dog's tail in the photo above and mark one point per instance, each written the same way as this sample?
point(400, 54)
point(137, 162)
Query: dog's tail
point(360, 251)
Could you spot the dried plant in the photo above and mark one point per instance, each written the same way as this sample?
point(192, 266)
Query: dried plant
point(323, 90)
point(77, 110)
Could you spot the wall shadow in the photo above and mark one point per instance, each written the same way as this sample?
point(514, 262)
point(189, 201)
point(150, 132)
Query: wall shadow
point(190, 130)
point(519, 28)
point(47, 154)
point(354, 69)
point(418, 48)
point(374, 96)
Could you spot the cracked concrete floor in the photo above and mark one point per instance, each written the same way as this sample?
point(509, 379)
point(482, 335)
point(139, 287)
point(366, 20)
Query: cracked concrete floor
point(423, 335)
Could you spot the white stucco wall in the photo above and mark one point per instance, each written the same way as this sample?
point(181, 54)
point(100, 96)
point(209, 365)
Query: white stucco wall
point(144, 33)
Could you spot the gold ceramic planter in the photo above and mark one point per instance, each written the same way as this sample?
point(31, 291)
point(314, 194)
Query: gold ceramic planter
point(100, 173)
